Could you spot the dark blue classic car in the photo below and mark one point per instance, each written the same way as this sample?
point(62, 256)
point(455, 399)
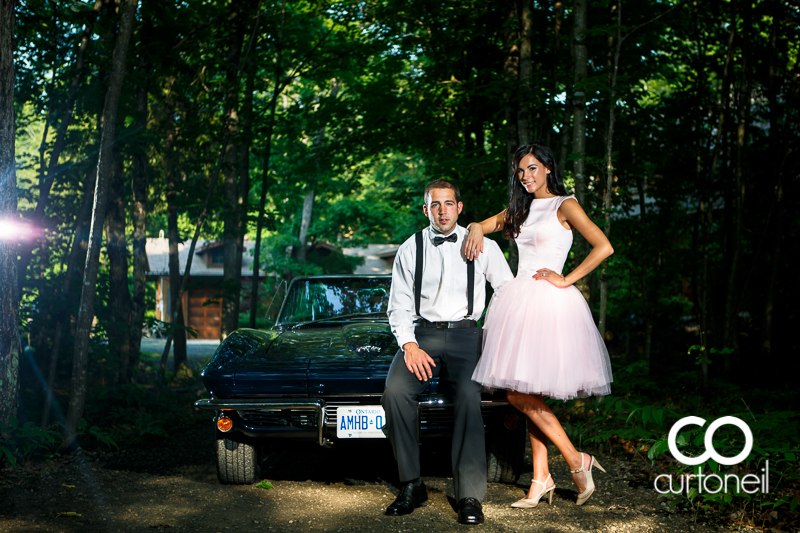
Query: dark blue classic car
point(318, 375)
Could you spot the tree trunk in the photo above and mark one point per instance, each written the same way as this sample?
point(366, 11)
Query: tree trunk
point(139, 189)
point(644, 253)
point(566, 122)
point(79, 243)
point(732, 303)
point(581, 55)
point(579, 101)
point(706, 314)
point(305, 223)
point(511, 72)
point(46, 181)
point(780, 148)
point(277, 88)
point(178, 337)
point(244, 161)
point(119, 296)
point(176, 313)
point(77, 398)
point(524, 126)
point(308, 201)
point(10, 347)
point(612, 108)
point(232, 215)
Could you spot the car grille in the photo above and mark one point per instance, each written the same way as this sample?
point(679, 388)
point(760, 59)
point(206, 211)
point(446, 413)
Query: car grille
point(282, 417)
point(433, 417)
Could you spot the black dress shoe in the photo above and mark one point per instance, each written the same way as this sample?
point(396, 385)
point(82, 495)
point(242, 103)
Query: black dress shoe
point(470, 511)
point(412, 495)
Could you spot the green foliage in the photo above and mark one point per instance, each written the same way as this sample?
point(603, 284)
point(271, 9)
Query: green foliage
point(265, 485)
point(23, 442)
point(632, 419)
point(98, 433)
point(133, 413)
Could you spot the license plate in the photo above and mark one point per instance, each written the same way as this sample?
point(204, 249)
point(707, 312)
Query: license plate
point(360, 422)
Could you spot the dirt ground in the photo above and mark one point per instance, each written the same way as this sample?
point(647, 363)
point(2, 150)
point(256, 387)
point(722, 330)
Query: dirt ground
point(172, 485)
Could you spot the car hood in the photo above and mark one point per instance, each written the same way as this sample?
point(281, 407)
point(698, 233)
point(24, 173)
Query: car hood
point(315, 359)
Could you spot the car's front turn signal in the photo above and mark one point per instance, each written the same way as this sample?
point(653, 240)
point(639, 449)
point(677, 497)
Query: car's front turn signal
point(224, 423)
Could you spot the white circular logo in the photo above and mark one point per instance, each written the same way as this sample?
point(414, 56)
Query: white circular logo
point(709, 444)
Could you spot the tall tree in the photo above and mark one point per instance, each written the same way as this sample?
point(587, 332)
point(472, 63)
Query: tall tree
point(119, 295)
point(48, 178)
point(178, 336)
point(9, 293)
point(232, 214)
point(278, 85)
point(525, 122)
point(308, 200)
point(139, 184)
point(63, 309)
point(579, 17)
point(744, 104)
point(511, 74)
point(80, 359)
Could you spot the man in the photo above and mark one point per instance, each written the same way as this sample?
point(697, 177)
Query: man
point(434, 321)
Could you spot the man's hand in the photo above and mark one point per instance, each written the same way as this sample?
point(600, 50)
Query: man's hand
point(418, 362)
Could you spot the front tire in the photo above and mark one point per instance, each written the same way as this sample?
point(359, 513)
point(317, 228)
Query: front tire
point(237, 462)
point(505, 451)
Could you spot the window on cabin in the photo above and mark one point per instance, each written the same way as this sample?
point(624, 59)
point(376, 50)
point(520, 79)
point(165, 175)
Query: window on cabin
point(217, 256)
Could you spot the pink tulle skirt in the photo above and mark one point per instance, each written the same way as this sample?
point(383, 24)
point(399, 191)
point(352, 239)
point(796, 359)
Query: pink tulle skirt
point(540, 339)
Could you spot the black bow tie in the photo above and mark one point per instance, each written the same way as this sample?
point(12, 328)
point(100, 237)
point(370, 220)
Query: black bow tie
point(450, 238)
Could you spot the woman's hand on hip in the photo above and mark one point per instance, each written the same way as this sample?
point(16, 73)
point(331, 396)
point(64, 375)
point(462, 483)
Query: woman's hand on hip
point(554, 278)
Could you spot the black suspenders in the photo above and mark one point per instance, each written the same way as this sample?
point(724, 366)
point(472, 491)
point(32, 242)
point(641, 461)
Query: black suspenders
point(470, 285)
point(418, 277)
point(418, 271)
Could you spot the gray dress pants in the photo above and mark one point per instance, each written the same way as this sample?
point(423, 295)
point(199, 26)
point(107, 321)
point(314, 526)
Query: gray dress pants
point(456, 352)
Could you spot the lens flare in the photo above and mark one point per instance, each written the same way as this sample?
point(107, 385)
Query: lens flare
point(13, 230)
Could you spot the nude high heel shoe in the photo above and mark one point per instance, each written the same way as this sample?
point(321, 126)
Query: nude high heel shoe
point(527, 503)
point(583, 496)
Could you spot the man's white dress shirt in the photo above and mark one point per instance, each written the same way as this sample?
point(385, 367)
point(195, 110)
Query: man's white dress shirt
point(444, 296)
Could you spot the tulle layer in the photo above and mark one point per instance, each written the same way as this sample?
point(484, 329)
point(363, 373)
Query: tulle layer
point(540, 339)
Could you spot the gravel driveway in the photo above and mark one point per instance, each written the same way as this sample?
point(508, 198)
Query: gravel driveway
point(172, 485)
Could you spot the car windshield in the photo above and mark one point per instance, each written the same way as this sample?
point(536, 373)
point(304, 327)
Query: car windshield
point(319, 299)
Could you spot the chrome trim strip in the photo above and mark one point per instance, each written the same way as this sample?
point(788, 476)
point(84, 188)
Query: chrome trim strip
point(439, 402)
point(317, 405)
point(312, 405)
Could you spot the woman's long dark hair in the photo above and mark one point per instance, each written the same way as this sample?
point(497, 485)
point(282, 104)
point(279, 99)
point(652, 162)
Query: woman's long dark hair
point(519, 200)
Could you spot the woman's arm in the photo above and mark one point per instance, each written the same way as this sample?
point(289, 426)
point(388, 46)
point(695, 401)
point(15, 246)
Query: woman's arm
point(474, 243)
point(574, 216)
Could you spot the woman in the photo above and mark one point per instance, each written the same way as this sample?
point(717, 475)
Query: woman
point(540, 338)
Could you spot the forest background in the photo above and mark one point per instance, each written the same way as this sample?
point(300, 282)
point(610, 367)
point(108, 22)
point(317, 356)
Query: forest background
point(302, 122)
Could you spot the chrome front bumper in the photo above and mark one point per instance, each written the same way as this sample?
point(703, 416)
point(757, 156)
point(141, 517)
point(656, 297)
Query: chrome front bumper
point(324, 412)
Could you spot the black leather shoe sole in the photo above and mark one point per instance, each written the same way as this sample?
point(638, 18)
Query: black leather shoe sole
point(470, 511)
point(410, 497)
point(471, 520)
point(402, 511)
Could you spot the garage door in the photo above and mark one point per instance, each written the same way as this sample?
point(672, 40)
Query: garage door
point(204, 313)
